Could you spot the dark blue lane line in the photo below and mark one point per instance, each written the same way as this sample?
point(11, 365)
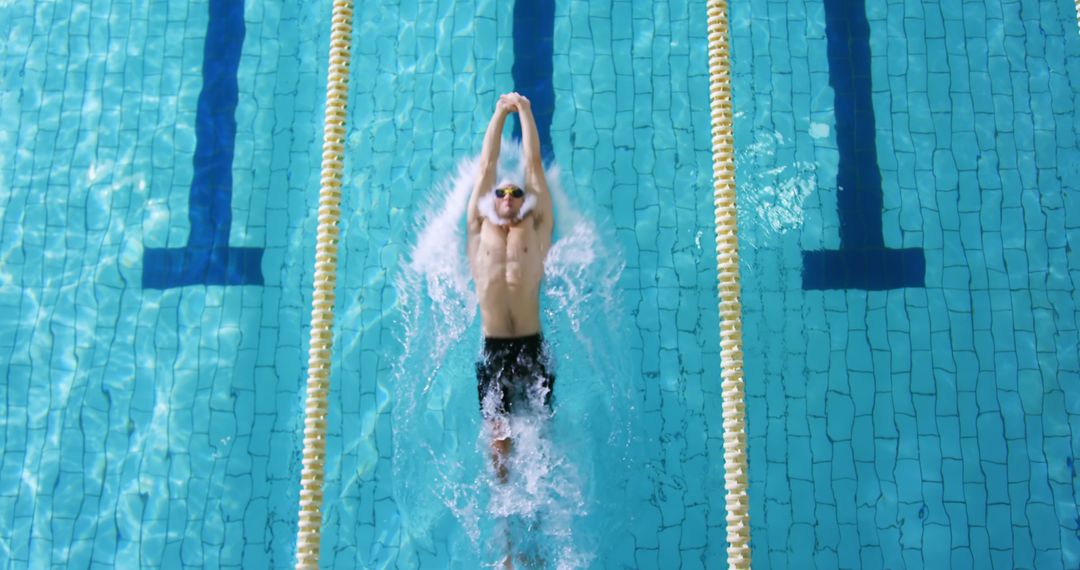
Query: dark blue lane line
point(534, 30)
point(207, 259)
point(862, 262)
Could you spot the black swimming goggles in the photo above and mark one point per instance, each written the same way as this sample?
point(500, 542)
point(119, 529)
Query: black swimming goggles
point(515, 192)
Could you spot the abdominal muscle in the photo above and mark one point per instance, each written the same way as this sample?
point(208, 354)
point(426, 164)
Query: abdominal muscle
point(507, 268)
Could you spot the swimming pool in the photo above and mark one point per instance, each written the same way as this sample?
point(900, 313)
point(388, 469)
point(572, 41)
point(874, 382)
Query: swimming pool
point(151, 420)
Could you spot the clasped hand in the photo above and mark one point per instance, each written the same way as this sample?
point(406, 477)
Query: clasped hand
point(512, 103)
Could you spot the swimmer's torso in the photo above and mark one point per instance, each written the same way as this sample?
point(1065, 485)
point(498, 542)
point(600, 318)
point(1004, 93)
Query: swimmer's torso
point(507, 266)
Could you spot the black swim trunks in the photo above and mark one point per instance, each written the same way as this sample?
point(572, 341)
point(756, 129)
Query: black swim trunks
point(514, 372)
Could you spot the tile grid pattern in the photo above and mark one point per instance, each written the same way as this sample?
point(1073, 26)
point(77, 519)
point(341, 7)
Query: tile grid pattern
point(417, 75)
point(80, 390)
point(933, 425)
point(638, 133)
point(170, 414)
point(173, 415)
point(275, 180)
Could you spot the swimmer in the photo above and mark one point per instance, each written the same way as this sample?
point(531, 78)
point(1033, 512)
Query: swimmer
point(509, 225)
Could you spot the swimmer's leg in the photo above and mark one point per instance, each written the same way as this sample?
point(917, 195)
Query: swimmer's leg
point(501, 446)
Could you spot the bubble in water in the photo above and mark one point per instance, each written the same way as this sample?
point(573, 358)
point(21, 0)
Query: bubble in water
point(775, 196)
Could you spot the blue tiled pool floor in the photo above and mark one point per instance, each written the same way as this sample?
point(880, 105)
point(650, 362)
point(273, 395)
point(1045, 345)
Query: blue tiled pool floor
point(919, 426)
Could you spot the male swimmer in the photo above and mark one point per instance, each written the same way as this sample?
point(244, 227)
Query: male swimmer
point(509, 234)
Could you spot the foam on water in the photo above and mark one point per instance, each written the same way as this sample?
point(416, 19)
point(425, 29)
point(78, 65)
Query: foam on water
point(776, 196)
point(551, 512)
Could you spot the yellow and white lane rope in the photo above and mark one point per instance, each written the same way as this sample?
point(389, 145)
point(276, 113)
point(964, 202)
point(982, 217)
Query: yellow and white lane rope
point(309, 527)
point(727, 266)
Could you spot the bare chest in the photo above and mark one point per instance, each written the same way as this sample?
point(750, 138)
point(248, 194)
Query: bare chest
point(508, 244)
point(508, 257)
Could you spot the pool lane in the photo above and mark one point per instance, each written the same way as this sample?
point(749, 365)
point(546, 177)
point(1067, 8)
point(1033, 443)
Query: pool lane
point(863, 261)
point(534, 26)
point(207, 258)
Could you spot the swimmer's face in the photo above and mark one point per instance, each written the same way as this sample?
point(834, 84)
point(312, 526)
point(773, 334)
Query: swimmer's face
point(509, 203)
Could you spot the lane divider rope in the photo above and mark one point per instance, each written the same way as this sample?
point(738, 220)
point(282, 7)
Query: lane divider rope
point(728, 284)
point(309, 524)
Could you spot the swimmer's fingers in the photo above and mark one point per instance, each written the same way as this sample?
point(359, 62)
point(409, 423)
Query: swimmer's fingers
point(506, 104)
point(520, 101)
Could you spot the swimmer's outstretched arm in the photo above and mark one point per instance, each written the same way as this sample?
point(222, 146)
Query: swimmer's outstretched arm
point(489, 160)
point(534, 161)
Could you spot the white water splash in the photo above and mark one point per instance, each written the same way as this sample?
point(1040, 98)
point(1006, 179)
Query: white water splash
point(776, 195)
point(438, 266)
point(444, 486)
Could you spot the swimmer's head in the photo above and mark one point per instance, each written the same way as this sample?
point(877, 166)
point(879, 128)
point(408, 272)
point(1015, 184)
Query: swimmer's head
point(507, 203)
point(509, 197)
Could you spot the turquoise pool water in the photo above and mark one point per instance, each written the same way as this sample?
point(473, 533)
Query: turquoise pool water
point(929, 426)
point(155, 281)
